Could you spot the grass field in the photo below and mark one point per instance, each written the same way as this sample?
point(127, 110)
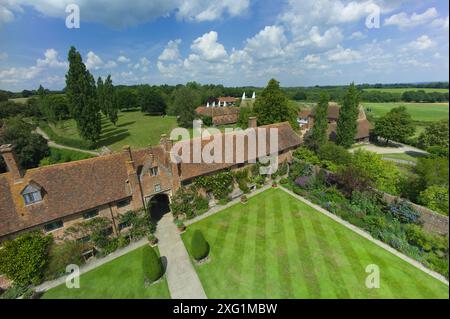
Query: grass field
point(133, 128)
point(58, 155)
point(277, 247)
point(402, 90)
point(121, 278)
point(404, 156)
point(426, 112)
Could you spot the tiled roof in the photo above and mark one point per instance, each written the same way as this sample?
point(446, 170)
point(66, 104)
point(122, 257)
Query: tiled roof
point(220, 115)
point(363, 131)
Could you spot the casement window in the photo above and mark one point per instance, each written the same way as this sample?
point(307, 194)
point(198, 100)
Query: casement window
point(123, 203)
point(53, 226)
point(157, 188)
point(84, 239)
point(154, 171)
point(32, 194)
point(90, 214)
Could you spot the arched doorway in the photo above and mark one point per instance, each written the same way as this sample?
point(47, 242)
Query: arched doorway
point(158, 206)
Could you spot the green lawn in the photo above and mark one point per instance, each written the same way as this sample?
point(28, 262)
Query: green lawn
point(133, 128)
point(277, 247)
point(419, 111)
point(121, 278)
point(412, 157)
point(402, 90)
point(58, 155)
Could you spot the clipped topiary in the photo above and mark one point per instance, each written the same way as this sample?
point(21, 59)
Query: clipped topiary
point(151, 264)
point(199, 246)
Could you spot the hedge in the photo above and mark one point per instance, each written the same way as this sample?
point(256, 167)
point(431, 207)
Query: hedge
point(151, 265)
point(199, 246)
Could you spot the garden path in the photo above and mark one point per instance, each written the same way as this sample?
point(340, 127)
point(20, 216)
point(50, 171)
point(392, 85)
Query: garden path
point(182, 278)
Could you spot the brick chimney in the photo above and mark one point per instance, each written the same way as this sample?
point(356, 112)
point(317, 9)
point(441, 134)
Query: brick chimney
point(11, 161)
point(252, 122)
point(133, 179)
point(166, 143)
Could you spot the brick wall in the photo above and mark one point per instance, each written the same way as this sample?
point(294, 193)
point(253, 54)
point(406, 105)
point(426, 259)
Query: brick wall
point(432, 221)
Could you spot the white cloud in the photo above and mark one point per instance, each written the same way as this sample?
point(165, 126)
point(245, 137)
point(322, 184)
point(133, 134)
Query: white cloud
point(5, 15)
point(93, 61)
point(268, 43)
point(142, 65)
point(358, 35)
point(422, 43)
point(311, 58)
point(208, 48)
point(110, 64)
point(171, 52)
point(123, 59)
point(440, 23)
point(51, 59)
point(341, 55)
point(330, 38)
point(403, 20)
point(119, 14)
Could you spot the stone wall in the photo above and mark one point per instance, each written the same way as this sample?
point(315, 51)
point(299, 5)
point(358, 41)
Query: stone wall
point(432, 221)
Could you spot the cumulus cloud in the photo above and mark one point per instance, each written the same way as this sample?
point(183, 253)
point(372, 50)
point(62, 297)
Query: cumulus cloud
point(123, 59)
point(142, 64)
point(440, 23)
point(330, 37)
point(121, 14)
point(403, 20)
point(341, 55)
point(207, 47)
point(358, 35)
point(422, 43)
point(93, 61)
point(268, 43)
point(19, 74)
point(170, 52)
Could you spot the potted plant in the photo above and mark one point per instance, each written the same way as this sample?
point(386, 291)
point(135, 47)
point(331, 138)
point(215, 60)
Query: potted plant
point(180, 225)
point(152, 240)
point(274, 184)
point(244, 199)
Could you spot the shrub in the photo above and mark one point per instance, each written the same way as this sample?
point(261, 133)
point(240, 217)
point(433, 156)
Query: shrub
point(303, 181)
point(61, 255)
point(334, 153)
point(352, 178)
point(284, 181)
point(151, 264)
point(300, 169)
point(303, 154)
point(14, 292)
point(403, 212)
point(436, 198)
point(199, 246)
point(24, 259)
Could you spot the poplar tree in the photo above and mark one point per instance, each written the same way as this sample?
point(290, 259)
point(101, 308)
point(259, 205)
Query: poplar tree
point(101, 95)
point(320, 127)
point(82, 97)
point(110, 102)
point(347, 124)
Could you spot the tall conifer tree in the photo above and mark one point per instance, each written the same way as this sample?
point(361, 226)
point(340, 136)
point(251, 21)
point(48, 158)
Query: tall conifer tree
point(347, 124)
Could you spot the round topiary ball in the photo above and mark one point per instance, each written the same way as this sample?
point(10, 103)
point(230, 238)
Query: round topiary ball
point(199, 246)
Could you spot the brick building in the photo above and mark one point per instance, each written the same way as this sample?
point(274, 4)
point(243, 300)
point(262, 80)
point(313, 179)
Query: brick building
point(55, 197)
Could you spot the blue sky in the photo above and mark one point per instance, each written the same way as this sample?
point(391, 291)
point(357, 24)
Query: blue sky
point(231, 42)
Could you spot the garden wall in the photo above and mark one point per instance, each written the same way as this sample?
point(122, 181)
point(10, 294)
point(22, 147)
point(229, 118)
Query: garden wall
point(432, 221)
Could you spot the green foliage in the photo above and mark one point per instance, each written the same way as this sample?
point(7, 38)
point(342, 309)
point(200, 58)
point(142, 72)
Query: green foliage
point(126, 99)
point(54, 107)
point(24, 259)
point(304, 154)
point(347, 123)
point(385, 175)
point(244, 114)
point(353, 178)
point(82, 97)
point(14, 292)
point(29, 147)
point(433, 171)
point(184, 102)
point(272, 106)
point(58, 155)
point(151, 100)
point(219, 184)
point(300, 169)
point(403, 212)
point(319, 130)
point(334, 153)
point(140, 223)
point(435, 134)
point(199, 246)
point(396, 125)
point(110, 103)
point(151, 265)
point(436, 198)
point(61, 255)
point(188, 202)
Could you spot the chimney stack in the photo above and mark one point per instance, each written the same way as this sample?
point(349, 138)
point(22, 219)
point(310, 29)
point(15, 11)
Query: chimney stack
point(252, 122)
point(166, 143)
point(11, 161)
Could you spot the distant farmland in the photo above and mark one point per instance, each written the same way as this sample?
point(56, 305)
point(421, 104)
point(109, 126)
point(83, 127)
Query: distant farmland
point(422, 112)
point(402, 90)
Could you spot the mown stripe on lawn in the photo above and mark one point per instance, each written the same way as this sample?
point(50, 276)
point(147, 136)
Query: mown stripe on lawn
point(310, 279)
point(333, 270)
point(352, 259)
point(284, 273)
point(259, 270)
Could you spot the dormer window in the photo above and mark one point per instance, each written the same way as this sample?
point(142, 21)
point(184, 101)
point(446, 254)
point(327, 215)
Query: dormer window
point(32, 194)
point(154, 171)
